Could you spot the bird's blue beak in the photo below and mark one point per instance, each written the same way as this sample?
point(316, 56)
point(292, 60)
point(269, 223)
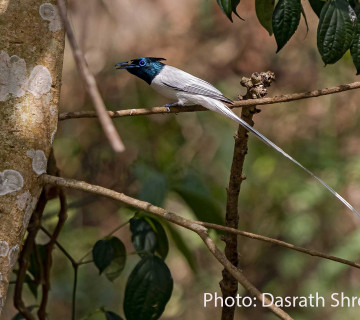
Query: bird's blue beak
point(126, 65)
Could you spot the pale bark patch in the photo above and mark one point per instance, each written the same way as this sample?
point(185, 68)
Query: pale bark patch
point(39, 161)
point(10, 181)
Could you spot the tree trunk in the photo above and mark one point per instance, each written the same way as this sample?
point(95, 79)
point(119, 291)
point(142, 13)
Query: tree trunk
point(31, 56)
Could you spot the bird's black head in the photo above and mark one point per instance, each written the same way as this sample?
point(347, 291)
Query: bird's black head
point(145, 68)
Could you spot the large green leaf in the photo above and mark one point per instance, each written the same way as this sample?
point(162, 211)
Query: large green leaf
point(109, 254)
point(197, 196)
point(229, 7)
point(335, 30)
point(355, 47)
point(148, 289)
point(148, 235)
point(317, 5)
point(286, 18)
point(264, 12)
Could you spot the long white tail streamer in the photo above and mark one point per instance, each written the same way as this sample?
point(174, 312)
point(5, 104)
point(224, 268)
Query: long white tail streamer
point(223, 109)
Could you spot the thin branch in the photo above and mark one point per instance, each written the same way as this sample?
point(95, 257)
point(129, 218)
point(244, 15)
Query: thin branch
point(172, 217)
point(73, 300)
point(90, 84)
point(24, 259)
point(284, 244)
point(142, 205)
point(75, 266)
point(237, 104)
point(49, 248)
point(62, 249)
point(255, 85)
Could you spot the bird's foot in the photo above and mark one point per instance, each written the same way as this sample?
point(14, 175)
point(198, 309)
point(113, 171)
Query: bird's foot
point(169, 105)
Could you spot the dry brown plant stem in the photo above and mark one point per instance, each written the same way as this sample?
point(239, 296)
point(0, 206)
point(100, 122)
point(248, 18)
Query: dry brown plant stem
point(90, 84)
point(255, 85)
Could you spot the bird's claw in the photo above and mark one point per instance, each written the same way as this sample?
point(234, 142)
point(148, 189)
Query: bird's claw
point(169, 105)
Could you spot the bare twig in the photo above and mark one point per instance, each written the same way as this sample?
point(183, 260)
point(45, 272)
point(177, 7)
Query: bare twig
point(186, 223)
point(255, 88)
point(90, 84)
point(62, 249)
point(237, 104)
point(172, 217)
point(75, 266)
point(73, 299)
point(49, 247)
point(284, 244)
point(24, 259)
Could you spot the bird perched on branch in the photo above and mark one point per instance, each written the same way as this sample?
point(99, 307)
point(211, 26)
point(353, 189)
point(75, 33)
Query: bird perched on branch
point(187, 90)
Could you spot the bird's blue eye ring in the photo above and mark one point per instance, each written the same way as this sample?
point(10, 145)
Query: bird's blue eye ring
point(142, 63)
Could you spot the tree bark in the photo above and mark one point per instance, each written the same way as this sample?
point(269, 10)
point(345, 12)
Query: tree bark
point(31, 57)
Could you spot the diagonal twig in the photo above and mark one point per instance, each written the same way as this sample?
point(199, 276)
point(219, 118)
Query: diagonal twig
point(186, 223)
point(280, 243)
point(90, 84)
point(174, 218)
point(237, 104)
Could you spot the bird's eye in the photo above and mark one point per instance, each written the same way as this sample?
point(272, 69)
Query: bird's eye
point(142, 63)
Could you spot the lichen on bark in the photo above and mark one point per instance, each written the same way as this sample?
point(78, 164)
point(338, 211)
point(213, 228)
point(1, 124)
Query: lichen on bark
point(31, 58)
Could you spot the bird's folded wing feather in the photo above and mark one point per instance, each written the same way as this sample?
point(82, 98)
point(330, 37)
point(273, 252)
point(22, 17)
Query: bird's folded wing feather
point(183, 81)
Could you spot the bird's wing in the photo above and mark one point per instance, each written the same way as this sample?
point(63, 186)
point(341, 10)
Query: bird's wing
point(182, 81)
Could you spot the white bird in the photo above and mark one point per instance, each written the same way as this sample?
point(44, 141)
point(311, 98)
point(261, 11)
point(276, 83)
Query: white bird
point(190, 90)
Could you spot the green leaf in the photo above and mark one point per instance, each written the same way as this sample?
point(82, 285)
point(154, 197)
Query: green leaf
point(229, 7)
point(148, 235)
point(355, 47)
point(335, 30)
point(154, 186)
point(286, 18)
point(107, 252)
point(317, 5)
point(109, 315)
point(264, 12)
point(182, 246)
point(197, 196)
point(148, 289)
point(117, 265)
